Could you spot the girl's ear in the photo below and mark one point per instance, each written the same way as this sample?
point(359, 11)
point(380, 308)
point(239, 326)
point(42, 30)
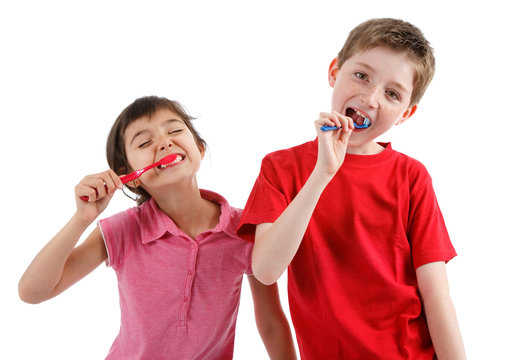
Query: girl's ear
point(407, 114)
point(201, 147)
point(333, 70)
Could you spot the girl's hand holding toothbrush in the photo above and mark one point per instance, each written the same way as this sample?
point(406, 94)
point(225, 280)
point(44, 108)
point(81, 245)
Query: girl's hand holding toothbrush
point(99, 189)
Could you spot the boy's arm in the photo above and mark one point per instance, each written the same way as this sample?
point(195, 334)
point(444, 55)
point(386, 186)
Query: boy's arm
point(271, 321)
point(276, 243)
point(440, 312)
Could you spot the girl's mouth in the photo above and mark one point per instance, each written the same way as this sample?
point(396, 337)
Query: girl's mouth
point(360, 120)
point(178, 159)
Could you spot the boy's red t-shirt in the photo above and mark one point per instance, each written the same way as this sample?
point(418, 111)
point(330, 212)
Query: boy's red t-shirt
point(352, 284)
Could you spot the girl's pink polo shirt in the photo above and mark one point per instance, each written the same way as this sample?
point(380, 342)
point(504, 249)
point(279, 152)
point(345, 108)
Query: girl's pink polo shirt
point(179, 296)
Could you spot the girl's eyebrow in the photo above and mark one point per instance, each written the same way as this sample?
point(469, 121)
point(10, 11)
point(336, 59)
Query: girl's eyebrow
point(169, 121)
point(138, 134)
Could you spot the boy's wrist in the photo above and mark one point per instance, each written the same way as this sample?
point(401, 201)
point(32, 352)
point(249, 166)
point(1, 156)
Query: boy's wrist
point(321, 177)
point(318, 181)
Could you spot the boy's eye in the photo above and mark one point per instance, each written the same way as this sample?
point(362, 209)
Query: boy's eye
point(360, 75)
point(174, 131)
point(393, 94)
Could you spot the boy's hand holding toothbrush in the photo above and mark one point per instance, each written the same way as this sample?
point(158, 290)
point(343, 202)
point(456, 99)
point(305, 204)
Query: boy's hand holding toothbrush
point(332, 145)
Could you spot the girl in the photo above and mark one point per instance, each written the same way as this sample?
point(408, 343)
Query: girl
point(177, 257)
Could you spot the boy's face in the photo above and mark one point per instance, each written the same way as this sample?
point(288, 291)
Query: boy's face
point(376, 83)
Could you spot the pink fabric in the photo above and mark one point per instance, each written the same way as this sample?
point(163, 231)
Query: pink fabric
point(179, 297)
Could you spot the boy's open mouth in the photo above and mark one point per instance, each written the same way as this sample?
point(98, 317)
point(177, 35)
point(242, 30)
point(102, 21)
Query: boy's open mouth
point(359, 120)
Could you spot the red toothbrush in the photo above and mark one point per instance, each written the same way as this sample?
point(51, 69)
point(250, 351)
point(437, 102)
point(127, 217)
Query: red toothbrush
point(132, 176)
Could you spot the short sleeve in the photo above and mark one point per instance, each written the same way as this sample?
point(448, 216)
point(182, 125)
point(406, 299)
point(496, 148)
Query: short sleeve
point(249, 270)
point(427, 231)
point(265, 203)
point(117, 232)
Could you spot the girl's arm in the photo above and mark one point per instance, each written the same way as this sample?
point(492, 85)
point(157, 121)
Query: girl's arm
point(276, 243)
point(271, 321)
point(60, 264)
point(440, 312)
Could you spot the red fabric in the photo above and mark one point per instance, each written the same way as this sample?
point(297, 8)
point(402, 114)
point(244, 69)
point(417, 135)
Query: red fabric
point(352, 284)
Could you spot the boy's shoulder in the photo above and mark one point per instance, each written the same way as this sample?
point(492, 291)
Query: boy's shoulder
point(412, 171)
point(306, 151)
point(413, 164)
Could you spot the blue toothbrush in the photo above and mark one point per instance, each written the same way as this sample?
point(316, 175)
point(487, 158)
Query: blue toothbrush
point(366, 123)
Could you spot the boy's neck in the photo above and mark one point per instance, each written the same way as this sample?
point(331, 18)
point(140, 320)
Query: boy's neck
point(371, 148)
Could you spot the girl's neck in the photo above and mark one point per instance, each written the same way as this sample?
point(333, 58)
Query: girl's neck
point(189, 211)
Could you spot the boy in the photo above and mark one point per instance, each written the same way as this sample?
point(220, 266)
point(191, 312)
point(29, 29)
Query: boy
point(357, 223)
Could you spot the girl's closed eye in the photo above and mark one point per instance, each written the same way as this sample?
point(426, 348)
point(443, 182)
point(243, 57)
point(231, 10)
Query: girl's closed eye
point(144, 144)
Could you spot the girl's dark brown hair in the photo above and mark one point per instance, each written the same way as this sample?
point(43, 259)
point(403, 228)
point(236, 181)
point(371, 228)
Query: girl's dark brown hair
point(143, 107)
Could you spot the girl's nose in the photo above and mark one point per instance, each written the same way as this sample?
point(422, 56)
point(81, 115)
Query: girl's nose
point(165, 144)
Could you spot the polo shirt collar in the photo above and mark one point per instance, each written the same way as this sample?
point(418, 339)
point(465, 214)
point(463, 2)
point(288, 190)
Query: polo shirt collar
point(155, 223)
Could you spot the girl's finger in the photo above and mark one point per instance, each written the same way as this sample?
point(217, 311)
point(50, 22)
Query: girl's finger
point(109, 182)
point(86, 193)
point(115, 178)
point(93, 186)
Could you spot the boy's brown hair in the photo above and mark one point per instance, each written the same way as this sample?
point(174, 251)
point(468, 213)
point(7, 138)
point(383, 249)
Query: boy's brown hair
point(142, 107)
point(397, 35)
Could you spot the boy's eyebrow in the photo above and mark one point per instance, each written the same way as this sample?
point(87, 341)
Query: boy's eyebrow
point(371, 68)
point(164, 123)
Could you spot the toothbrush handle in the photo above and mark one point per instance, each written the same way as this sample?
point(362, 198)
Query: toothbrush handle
point(124, 179)
point(134, 175)
point(328, 128)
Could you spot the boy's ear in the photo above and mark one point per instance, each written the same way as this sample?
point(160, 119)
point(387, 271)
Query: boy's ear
point(333, 70)
point(407, 114)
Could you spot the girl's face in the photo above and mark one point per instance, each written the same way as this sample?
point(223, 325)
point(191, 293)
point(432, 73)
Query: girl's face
point(149, 139)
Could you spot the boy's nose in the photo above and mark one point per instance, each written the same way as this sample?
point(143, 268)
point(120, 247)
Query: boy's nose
point(371, 96)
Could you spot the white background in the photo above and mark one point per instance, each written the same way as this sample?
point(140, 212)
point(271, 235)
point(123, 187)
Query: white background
point(255, 75)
